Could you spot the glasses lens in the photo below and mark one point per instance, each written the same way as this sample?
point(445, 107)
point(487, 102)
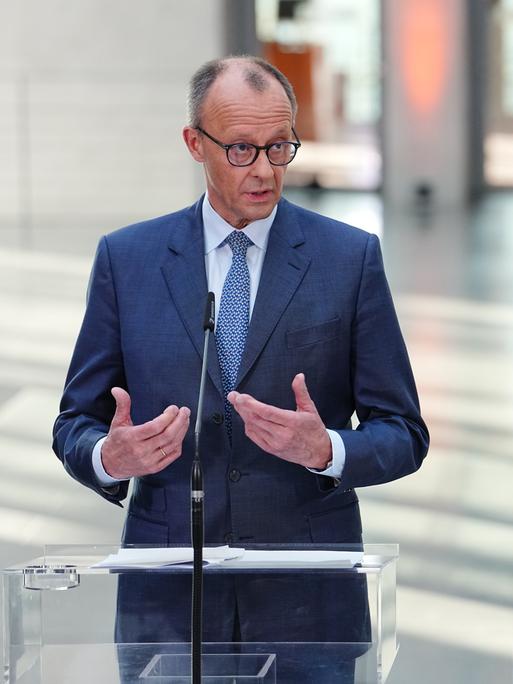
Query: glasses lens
point(241, 154)
point(281, 153)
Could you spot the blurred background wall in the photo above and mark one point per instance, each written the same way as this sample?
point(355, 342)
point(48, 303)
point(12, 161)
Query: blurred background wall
point(92, 104)
point(406, 118)
point(402, 96)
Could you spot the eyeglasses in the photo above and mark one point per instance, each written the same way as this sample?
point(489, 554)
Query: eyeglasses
point(279, 153)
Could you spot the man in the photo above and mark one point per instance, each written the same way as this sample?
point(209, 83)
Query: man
point(306, 335)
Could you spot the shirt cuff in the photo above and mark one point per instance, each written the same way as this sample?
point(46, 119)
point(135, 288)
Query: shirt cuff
point(102, 476)
point(338, 460)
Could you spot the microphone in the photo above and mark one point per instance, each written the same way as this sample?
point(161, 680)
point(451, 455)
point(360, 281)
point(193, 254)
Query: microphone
point(208, 326)
point(197, 517)
point(209, 321)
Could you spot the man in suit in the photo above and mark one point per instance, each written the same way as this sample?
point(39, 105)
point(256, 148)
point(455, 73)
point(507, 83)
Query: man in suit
point(280, 461)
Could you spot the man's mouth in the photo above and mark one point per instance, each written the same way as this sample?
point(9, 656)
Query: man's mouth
point(259, 194)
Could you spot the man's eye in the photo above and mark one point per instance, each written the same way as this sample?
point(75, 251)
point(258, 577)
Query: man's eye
point(241, 147)
point(277, 146)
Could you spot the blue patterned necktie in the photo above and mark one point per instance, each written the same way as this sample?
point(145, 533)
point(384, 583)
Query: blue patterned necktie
point(233, 318)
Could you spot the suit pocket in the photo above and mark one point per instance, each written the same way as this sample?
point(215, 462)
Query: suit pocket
point(314, 334)
point(148, 497)
point(141, 531)
point(337, 525)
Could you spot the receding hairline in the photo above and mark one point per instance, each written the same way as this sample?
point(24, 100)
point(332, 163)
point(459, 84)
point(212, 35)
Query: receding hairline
point(244, 76)
point(255, 72)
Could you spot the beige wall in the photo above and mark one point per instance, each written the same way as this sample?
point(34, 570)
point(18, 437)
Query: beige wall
point(92, 102)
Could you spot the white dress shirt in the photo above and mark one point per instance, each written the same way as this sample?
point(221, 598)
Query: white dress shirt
point(218, 260)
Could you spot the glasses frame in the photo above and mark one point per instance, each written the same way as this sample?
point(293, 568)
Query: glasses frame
point(258, 148)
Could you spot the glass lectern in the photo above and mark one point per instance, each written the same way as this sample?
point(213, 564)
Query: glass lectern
point(60, 611)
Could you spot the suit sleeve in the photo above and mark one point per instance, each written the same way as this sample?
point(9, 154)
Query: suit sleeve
point(391, 439)
point(87, 407)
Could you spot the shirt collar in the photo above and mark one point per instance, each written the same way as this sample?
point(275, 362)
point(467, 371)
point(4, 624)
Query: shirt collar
point(216, 229)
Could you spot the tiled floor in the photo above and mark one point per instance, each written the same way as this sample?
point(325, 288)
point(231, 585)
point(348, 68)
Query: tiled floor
point(452, 276)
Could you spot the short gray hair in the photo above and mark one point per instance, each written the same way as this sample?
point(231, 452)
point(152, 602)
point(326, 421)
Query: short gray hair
point(254, 74)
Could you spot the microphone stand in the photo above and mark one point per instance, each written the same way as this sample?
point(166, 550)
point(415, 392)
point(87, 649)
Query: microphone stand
point(197, 518)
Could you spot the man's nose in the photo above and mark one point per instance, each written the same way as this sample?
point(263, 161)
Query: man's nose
point(262, 167)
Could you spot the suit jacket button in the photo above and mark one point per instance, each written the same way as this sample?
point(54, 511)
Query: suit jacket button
point(228, 538)
point(217, 418)
point(234, 475)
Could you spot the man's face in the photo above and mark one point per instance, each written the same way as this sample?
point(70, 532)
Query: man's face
point(233, 112)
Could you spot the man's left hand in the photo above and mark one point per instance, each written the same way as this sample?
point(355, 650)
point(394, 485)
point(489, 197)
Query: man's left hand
point(298, 436)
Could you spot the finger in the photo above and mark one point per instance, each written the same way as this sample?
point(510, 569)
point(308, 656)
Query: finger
point(173, 435)
point(171, 409)
point(176, 431)
point(157, 425)
point(273, 432)
point(164, 449)
point(122, 414)
point(248, 406)
point(261, 439)
point(303, 400)
point(276, 445)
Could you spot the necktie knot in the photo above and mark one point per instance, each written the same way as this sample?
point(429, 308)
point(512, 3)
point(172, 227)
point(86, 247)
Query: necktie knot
point(239, 242)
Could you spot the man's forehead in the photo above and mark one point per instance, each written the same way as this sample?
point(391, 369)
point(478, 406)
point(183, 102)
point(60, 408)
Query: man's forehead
point(232, 86)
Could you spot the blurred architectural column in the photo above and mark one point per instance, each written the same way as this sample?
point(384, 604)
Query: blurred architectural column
point(425, 122)
point(240, 27)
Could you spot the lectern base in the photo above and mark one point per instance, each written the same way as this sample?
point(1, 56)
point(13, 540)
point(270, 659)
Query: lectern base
point(229, 663)
point(216, 668)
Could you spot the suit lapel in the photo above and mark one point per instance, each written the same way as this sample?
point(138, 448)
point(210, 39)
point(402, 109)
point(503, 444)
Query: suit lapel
point(283, 270)
point(184, 273)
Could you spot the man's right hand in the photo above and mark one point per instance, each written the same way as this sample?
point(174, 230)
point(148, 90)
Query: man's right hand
point(134, 450)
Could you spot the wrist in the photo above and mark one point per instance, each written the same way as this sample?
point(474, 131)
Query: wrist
point(102, 474)
point(324, 457)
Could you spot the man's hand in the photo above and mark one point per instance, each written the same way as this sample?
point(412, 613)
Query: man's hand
point(134, 450)
point(299, 436)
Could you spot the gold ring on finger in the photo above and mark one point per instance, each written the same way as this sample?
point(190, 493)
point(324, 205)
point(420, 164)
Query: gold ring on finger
point(162, 452)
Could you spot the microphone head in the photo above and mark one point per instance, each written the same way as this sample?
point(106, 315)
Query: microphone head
point(210, 310)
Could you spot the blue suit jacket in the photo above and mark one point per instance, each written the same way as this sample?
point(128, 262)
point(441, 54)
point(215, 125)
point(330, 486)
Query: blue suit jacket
point(323, 308)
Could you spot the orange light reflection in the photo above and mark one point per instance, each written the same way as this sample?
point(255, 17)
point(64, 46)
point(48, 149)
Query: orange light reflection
point(424, 52)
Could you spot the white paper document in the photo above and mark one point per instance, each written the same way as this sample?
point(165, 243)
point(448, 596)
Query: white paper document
point(159, 557)
point(230, 557)
point(297, 559)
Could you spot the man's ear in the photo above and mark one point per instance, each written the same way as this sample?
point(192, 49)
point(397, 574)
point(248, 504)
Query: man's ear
point(194, 142)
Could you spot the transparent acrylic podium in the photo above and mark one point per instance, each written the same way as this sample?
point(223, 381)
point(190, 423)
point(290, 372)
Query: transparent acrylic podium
point(59, 614)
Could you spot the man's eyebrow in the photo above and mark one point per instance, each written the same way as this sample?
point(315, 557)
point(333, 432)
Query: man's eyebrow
point(246, 136)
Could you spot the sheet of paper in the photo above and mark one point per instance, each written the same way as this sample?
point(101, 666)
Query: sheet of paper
point(157, 557)
point(232, 557)
point(297, 559)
